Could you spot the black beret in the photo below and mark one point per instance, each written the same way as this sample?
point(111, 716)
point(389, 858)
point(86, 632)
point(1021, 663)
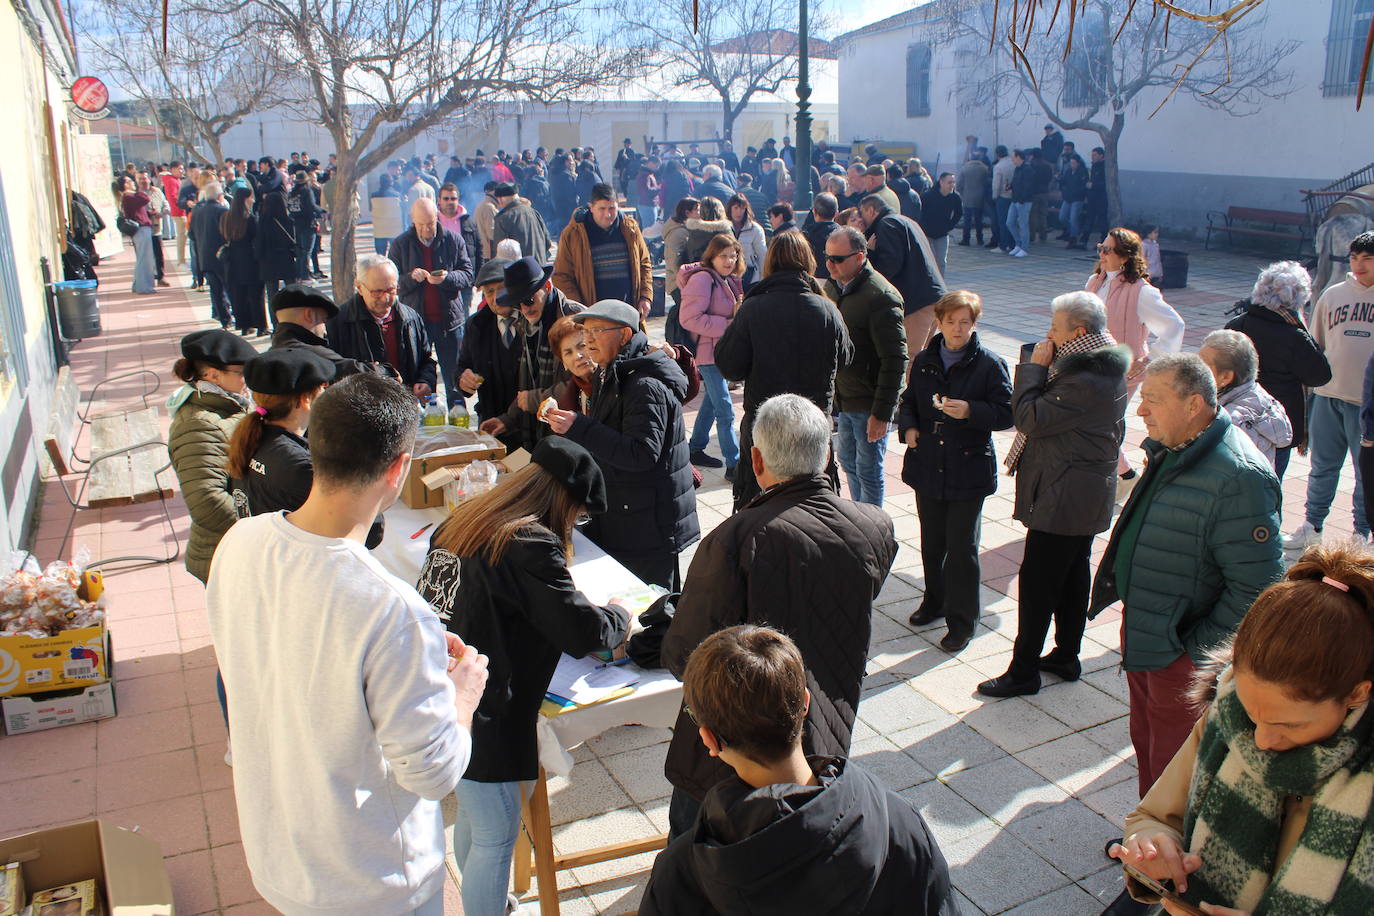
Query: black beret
point(575, 468)
point(504, 189)
point(291, 370)
point(217, 347)
point(301, 296)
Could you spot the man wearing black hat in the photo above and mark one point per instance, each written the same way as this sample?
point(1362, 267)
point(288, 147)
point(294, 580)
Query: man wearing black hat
point(301, 312)
point(528, 288)
point(489, 360)
point(634, 431)
point(434, 278)
point(518, 220)
point(373, 326)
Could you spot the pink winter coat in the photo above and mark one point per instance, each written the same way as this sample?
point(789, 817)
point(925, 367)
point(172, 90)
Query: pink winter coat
point(708, 306)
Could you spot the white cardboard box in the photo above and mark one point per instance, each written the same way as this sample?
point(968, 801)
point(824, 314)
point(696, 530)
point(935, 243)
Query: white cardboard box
point(39, 711)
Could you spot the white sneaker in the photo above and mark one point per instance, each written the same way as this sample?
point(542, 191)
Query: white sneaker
point(1303, 538)
point(1018, 253)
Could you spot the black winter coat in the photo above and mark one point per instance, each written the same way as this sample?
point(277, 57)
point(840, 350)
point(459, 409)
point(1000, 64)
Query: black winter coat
point(635, 432)
point(816, 232)
point(940, 212)
point(898, 248)
point(523, 612)
point(485, 353)
point(848, 846)
point(1289, 360)
point(354, 333)
point(450, 253)
point(807, 561)
point(206, 235)
point(291, 336)
point(275, 242)
point(240, 258)
point(1066, 480)
point(563, 188)
point(954, 459)
point(1073, 184)
point(786, 338)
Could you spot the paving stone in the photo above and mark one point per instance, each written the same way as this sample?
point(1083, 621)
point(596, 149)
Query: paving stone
point(1077, 704)
point(996, 871)
point(949, 816)
point(1077, 765)
point(886, 761)
point(1069, 835)
point(1004, 788)
point(946, 745)
point(1014, 725)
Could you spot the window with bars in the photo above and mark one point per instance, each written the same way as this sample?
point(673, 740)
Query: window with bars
point(1085, 75)
point(1345, 45)
point(918, 80)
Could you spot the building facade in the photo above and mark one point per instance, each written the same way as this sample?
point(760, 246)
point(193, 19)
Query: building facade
point(1175, 165)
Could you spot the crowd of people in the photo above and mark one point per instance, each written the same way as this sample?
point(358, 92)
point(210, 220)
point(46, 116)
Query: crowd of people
point(513, 286)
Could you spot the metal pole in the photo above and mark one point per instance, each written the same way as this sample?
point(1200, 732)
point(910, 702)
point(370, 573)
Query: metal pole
point(801, 199)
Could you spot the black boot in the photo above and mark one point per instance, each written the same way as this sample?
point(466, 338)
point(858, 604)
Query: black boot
point(1064, 670)
point(1004, 686)
point(926, 614)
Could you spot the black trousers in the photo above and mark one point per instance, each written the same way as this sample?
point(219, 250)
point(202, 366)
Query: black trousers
point(950, 531)
point(1366, 470)
point(245, 300)
point(1054, 584)
point(219, 302)
point(157, 256)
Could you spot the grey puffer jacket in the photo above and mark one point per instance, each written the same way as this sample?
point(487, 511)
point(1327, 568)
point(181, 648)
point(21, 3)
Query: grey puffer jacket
point(1256, 413)
point(198, 442)
point(1066, 479)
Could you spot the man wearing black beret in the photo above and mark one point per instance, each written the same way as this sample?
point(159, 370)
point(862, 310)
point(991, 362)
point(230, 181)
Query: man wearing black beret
point(301, 312)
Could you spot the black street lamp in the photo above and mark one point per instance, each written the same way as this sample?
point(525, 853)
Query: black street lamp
point(801, 198)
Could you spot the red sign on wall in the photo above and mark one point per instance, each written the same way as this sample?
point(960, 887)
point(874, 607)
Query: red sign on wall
point(90, 94)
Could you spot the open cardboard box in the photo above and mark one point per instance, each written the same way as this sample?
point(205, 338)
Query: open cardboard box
point(476, 446)
point(133, 881)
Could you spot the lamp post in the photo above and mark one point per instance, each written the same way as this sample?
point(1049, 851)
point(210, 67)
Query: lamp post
point(801, 198)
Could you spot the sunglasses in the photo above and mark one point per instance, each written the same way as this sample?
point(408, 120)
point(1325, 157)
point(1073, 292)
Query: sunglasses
point(837, 258)
point(1104, 248)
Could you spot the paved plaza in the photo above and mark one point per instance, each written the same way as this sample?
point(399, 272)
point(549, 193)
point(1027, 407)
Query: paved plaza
point(1021, 793)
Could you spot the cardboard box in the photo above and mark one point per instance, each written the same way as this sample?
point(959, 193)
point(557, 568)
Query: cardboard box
point(36, 712)
point(128, 867)
point(72, 658)
point(416, 495)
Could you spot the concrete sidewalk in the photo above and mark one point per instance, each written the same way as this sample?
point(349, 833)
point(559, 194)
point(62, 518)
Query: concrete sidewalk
point(1021, 793)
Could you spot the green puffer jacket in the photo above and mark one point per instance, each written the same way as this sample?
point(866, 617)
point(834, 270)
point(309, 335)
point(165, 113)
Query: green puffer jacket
point(198, 441)
point(1208, 546)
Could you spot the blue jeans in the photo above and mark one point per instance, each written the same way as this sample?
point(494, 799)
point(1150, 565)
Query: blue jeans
point(1018, 224)
point(1002, 232)
point(716, 408)
point(305, 245)
point(145, 265)
point(862, 460)
point(1333, 431)
point(1071, 215)
point(484, 842)
point(446, 345)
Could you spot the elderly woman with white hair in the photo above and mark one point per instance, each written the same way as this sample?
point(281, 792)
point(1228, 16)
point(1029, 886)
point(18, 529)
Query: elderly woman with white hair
point(1289, 358)
point(1234, 364)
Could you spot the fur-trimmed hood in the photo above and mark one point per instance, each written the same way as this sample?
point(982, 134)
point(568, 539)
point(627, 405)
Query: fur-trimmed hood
point(713, 226)
point(1105, 361)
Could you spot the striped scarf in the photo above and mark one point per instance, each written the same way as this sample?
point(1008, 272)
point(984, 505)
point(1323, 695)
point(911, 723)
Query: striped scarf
point(1086, 343)
point(1235, 812)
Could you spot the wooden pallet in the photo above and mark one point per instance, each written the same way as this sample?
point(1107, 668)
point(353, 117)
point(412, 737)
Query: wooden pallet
point(125, 480)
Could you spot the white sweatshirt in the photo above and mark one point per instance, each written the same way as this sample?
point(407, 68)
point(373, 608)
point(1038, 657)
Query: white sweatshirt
point(342, 721)
point(1343, 327)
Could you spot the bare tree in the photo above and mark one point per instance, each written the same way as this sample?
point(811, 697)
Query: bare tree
point(213, 74)
point(378, 73)
point(737, 50)
point(1086, 79)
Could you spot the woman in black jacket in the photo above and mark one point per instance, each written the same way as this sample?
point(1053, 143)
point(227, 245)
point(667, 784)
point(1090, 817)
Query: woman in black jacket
point(275, 244)
point(1289, 359)
point(509, 548)
point(787, 338)
point(956, 395)
point(563, 191)
point(239, 226)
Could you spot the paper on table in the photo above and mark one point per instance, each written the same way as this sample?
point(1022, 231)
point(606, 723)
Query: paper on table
point(584, 681)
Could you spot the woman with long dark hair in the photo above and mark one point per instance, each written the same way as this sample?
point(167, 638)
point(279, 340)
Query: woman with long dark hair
point(1135, 310)
point(239, 226)
point(509, 548)
point(751, 237)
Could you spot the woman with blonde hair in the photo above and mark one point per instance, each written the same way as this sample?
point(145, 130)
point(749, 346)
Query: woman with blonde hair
point(1135, 310)
point(711, 294)
point(787, 338)
point(1268, 807)
point(509, 549)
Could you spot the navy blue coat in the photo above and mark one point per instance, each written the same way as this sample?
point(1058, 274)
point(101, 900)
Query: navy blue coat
point(954, 459)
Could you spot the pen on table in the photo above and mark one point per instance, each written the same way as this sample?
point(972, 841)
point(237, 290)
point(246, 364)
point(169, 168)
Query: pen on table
point(422, 531)
point(612, 664)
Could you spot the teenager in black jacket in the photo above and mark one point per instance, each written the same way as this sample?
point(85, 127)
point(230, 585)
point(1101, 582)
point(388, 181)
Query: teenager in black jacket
point(509, 548)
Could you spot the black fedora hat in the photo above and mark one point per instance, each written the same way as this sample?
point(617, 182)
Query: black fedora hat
point(524, 278)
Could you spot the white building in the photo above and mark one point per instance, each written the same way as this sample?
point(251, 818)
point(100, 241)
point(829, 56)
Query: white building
point(1186, 160)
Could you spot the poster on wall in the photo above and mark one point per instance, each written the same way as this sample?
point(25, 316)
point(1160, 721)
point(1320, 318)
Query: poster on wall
point(91, 176)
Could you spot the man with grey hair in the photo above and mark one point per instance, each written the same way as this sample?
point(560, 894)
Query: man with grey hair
point(800, 558)
point(1193, 547)
point(1234, 364)
point(207, 239)
point(374, 326)
point(713, 185)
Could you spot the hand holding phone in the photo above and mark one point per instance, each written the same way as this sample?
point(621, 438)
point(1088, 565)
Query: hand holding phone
point(1175, 902)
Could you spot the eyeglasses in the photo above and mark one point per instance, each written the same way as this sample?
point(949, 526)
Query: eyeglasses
point(838, 258)
point(389, 291)
point(697, 722)
point(617, 328)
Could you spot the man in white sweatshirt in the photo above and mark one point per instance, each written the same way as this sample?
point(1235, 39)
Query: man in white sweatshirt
point(1343, 326)
point(350, 707)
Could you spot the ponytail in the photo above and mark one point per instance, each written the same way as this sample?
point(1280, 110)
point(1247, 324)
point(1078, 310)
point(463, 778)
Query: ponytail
point(243, 445)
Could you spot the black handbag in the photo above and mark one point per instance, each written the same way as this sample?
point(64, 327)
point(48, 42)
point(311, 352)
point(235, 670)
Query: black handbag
point(644, 647)
point(126, 226)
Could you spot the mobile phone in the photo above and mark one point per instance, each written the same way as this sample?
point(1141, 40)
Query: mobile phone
point(1163, 892)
